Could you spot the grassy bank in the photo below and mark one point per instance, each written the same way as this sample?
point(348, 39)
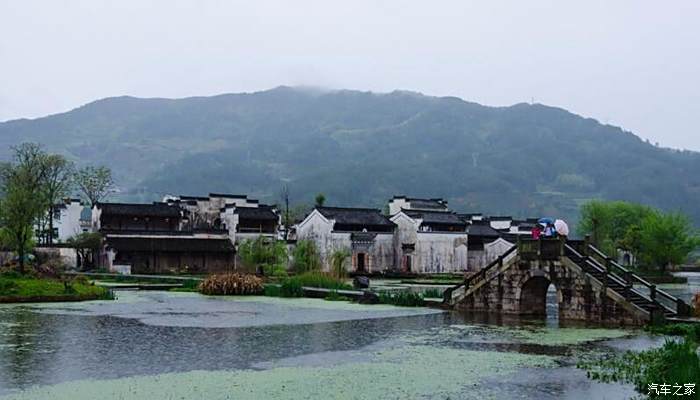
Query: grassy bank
point(24, 289)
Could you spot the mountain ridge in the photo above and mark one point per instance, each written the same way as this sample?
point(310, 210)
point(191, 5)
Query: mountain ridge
point(360, 148)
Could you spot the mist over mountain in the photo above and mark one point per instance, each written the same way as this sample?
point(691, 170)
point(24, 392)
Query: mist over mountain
point(361, 148)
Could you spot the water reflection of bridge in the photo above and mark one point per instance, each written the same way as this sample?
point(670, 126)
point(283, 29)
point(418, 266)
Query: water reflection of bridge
point(590, 285)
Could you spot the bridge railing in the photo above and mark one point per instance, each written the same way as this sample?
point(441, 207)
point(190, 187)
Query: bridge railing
point(540, 249)
point(629, 279)
point(482, 274)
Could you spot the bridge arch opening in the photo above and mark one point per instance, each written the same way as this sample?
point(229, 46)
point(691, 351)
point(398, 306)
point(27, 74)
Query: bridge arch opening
point(539, 297)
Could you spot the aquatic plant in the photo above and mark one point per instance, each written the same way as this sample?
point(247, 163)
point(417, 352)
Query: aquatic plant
point(407, 372)
point(231, 284)
point(691, 331)
point(675, 362)
point(401, 298)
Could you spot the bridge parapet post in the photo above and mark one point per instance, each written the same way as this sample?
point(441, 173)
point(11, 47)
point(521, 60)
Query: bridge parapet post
point(652, 292)
point(628, 277)
point(628, 291)
point(586, 243)
point(682, 309)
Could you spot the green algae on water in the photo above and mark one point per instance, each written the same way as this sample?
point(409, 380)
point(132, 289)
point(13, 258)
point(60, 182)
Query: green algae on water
point(407, 372)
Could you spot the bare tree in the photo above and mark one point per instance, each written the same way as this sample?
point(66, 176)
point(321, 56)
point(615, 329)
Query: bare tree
point(95, 183)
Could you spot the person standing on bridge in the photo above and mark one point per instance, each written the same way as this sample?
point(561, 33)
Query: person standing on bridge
point(536, 232)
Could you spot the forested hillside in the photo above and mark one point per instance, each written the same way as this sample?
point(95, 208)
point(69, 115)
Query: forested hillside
point(360, 148)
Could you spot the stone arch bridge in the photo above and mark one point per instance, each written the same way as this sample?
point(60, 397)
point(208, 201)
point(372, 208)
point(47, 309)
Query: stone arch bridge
point(590, 285)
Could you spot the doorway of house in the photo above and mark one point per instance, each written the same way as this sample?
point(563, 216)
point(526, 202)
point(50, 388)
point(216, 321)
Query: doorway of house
point(360, 262)
point(408, 263)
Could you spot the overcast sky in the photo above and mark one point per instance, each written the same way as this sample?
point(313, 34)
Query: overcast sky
point(635, 64)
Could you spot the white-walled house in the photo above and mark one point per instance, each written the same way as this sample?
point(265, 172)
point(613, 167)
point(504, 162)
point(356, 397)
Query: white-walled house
point(243, 218)
point(364, 232)
point(430, 241)
point(398, 203)
point(421, 236)
point(501, 223)
point(70, 218)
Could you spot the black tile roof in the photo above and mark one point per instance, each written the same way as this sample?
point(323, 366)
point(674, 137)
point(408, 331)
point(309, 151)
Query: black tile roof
point(229, 196)
point(483, 229)
point(136, 210)
point(425, 204)
point(256, 213)
point(355, 216)
point(202, 198)
point(436, 217)
point(170, 245)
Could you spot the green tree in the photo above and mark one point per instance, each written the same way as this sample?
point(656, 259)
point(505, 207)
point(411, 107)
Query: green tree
point(95, 183)
point(24, 200)
point(269, 254)
point(667, 239)
point(306, 257)
point(320, 200)
point(85, 245)
point(612, 224)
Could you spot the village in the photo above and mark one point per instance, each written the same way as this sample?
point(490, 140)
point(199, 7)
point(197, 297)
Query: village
point(201, 234)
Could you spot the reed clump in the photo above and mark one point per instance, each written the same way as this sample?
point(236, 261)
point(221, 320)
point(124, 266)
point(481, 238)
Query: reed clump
point(231, 284)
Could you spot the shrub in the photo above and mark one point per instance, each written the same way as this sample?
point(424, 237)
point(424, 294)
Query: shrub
point(11, 274)
point(273, 291)
point(306, 257)
point(6, 286)
point(82, 280)
point(696, 304)
point(231, 284)
point(275, 270)
point(263, 252)
point(291, 288)
point(402, 298)
point(338, 262)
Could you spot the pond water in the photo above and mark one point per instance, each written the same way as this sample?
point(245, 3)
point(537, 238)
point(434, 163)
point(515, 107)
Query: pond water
point(160, 345)
point(684, 291)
